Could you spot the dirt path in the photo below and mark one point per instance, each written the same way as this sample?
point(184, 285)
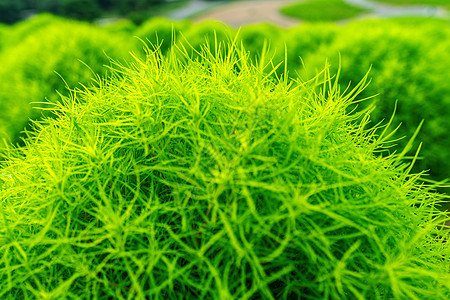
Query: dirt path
point(246, 12)
point(241, 13)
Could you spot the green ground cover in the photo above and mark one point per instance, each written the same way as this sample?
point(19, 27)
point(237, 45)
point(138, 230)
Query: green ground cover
point(442, 3)
point(321, 10)
point(202, 176)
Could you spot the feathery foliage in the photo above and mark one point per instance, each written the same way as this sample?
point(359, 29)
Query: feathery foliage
point(205, 177)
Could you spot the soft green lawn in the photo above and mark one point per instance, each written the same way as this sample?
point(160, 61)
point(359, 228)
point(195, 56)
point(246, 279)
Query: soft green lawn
point(443, 3)
point(321, 10)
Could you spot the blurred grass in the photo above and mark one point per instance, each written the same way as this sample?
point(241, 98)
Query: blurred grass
point(321, 10)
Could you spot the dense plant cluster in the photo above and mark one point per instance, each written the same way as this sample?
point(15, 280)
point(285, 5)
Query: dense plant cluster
point(206, 177)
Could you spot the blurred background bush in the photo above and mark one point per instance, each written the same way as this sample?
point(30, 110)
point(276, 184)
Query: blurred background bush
point(47, 57)
point(410, 65)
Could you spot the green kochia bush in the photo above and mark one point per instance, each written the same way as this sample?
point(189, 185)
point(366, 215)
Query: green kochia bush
point(205, 178)
point(46, 61)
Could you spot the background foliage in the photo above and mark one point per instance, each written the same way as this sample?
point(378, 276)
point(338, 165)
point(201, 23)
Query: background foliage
point(49, 59)
point(408, 65)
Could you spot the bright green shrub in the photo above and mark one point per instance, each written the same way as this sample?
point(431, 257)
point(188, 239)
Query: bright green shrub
point(424, 22)
point(32, 71)
point(194, 180)
point(289, 44)
point(161, 31)
point(410, 65)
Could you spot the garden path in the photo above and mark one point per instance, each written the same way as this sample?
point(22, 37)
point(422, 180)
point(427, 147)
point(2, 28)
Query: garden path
point(241, 13)
point(238, 13)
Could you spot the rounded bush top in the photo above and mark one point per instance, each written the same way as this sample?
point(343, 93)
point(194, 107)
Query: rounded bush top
point(206, 178)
